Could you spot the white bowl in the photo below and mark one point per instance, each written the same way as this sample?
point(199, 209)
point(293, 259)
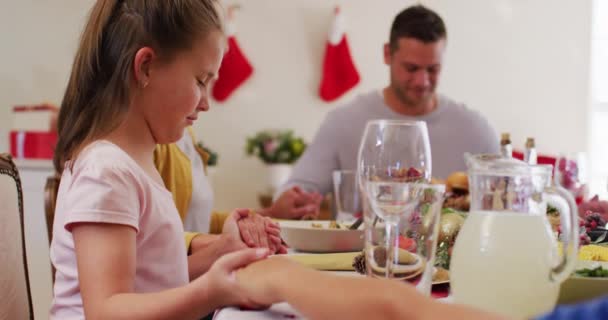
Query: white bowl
point(302, 236)
point(577, 289)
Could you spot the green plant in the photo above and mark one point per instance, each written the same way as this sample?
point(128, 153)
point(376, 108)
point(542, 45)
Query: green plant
point(275, 146)
point(212, 160)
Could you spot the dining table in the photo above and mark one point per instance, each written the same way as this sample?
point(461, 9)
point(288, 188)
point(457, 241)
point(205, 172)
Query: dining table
point(285, 311)
point(574, 289)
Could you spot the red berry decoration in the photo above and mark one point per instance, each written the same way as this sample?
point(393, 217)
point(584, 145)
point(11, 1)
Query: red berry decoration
point(414, 173)
point(594, 220)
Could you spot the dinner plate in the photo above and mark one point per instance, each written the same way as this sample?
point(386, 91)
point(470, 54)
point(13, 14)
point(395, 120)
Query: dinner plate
point(441, 276)
point(413, 271)
point(403, 271)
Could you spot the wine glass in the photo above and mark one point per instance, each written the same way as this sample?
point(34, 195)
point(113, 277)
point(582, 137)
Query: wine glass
point(394, 167)
point(570, 174)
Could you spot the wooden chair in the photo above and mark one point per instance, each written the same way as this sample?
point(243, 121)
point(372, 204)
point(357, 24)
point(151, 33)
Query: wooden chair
point(15, 294)
point(50, 200)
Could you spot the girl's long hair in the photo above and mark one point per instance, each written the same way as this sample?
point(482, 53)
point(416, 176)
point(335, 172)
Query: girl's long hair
point(99, 89)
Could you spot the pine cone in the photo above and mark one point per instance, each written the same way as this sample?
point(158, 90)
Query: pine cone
point(359, 263)
point(380, 256)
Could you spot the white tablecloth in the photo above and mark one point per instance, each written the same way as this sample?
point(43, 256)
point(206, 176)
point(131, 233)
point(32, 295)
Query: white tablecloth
point(281, 311)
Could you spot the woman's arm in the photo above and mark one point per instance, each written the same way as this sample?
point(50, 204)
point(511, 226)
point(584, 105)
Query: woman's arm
point(200, 241)
point(216, 222)
point(206, 249)
point(319, 295)
point(106, 260)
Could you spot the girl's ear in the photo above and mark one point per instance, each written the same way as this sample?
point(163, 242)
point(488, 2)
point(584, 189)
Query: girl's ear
point(141, 66)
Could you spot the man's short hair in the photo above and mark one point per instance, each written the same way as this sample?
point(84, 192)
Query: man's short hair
point(417, 22)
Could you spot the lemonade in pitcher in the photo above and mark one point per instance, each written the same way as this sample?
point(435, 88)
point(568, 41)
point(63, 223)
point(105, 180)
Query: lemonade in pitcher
point(505, 259)
point(502, 262)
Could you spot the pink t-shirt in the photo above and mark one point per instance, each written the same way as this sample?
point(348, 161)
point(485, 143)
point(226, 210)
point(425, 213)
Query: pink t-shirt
point(107, 186)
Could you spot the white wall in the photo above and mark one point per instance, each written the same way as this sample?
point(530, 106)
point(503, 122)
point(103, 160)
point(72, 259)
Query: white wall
point(38, 44)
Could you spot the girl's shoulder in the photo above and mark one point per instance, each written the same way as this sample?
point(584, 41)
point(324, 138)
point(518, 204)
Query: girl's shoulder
point(103, 160)
point(102, 154)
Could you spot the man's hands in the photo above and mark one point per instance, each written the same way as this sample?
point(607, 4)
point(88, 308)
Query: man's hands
point(295, 203)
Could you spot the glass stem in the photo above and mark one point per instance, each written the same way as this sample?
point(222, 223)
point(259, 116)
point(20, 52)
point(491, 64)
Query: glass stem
point(391, 247)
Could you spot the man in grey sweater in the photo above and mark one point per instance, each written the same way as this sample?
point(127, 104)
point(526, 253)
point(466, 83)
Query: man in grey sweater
point(414, 56)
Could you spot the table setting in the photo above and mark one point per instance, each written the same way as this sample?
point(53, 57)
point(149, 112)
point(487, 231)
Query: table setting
point(502, 237)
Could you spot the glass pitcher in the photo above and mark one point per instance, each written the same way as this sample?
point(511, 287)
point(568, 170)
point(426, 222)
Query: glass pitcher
point(506, 257)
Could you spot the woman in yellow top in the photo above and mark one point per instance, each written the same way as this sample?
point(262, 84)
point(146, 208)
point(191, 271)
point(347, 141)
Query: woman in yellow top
point(182, 165)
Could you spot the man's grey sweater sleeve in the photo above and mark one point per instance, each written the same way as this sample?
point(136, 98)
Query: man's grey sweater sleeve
point(313, 171)
point(489, 141)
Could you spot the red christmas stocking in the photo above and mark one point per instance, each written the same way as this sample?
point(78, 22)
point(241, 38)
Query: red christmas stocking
point(339, 71)
point(235, 69)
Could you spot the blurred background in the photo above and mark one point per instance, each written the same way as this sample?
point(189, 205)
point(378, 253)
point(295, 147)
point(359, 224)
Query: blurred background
point(534, 68)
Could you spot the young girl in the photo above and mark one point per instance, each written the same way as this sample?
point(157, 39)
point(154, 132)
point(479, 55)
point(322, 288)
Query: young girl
point(139, 78)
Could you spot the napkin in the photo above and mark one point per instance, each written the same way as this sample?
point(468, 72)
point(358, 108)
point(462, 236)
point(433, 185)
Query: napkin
point(593, 252)
point(326, 261)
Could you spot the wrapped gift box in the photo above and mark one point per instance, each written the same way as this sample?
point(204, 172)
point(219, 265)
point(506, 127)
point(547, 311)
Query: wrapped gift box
point(32, 135)
point(32, 144)
point(34, 117)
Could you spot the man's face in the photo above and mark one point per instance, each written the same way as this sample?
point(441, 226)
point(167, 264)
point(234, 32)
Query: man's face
point(414, 67)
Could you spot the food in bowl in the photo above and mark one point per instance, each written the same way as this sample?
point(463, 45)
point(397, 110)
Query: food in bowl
point(597, 272)
point(333, 224)
point(589, 281)
point(457, 192)
point(458, 181)
point(450, 223)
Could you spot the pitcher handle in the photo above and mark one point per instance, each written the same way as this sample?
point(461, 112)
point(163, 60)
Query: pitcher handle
point(569, 230)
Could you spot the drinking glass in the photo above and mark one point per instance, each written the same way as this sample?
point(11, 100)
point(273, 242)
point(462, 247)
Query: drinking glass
point(401, 210)
point(570, 174)
point(346, 195)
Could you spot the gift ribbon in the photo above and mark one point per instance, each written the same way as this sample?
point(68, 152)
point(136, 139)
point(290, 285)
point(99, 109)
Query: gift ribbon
point(20, 144)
